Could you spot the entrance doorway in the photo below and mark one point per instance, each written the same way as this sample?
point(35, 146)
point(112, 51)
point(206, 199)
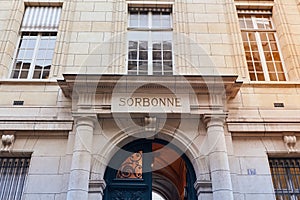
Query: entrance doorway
point(150, 170)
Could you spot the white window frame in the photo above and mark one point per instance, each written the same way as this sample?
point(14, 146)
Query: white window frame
point(148, 33)
point(33, 59)
point(256, 30)
point(36, 20)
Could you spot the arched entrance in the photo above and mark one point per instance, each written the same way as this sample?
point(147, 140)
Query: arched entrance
point(144, 167)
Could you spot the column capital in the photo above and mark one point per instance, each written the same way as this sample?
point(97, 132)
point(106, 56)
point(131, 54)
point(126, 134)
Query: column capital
point(97, 186)
point(85, 119)
point(203, 186)
point(216, 119)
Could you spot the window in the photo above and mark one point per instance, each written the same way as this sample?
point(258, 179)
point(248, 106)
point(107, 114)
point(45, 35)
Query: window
point(150, 41)
point(36, 47)
point(261, 47)
point(13, 172)
point(286, 177)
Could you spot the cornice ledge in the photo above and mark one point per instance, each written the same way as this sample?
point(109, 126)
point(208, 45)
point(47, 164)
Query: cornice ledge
point(36, 125)
point(263, 127)
point(106, 83)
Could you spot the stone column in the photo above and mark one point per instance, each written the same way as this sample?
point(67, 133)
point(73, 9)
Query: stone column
point(81, 159)
point(218, 158)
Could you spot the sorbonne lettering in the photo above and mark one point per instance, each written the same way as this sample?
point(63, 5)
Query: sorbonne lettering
point(150, 102)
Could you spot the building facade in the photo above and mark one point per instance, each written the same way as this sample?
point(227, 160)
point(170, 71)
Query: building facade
point(157, 99)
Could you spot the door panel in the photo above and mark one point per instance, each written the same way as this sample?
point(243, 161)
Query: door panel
point(129, 173)
point(128, 192)
point(128, 176)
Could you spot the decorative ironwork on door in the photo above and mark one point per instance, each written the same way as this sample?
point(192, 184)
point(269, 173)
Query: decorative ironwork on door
point(132, 167)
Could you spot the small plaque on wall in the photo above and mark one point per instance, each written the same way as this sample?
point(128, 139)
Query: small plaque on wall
point(251, 171)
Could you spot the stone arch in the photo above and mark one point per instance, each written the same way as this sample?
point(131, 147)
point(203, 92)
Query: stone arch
point(168, 134)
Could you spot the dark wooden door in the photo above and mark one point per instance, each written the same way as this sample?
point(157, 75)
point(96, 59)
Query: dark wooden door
point(129, 175)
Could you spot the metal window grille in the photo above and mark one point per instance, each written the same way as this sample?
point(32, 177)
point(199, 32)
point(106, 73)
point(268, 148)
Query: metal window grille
point(13, 172)
point(286, 178)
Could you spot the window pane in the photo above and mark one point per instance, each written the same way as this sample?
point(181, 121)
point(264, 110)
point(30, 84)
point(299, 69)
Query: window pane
point(157, 46)
point(268, 56)
point(254, 46)
point(15, 74)
point(242, 23)
point(37, 74)
point(270, 66)
point(260, 77)
point(251, 37)
point(21, 54)
point(250, 66)
point(156, 55)
point(24, 74)
point(167, 45)
point(157, 67)
point(167, 67)
point(143, 64)
point(167, 55)
point(44, 43)
point(273, 77)
point(143, 45)
point(156, 20)
point(265, 46)
point(252, 77)
point(263, 23)
point(263, 37)
point(132, 65)
point(281, 77)
point(276, 56)
point(258, 66)
point(143, 55)
point(143, 68)
point(249, 23)
point(41, 54)
point(46, 72)
point(255, 56)
point(28, 54)
point(274, 46)
point(28, 42)
point(245, 36)
point(132, 45)
point(246, 46)
point(166, 20)
point(132, 55)
point(271, 37)
point(279, 67)
point(248, 56)
point(133, 19)
point(144, 19)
